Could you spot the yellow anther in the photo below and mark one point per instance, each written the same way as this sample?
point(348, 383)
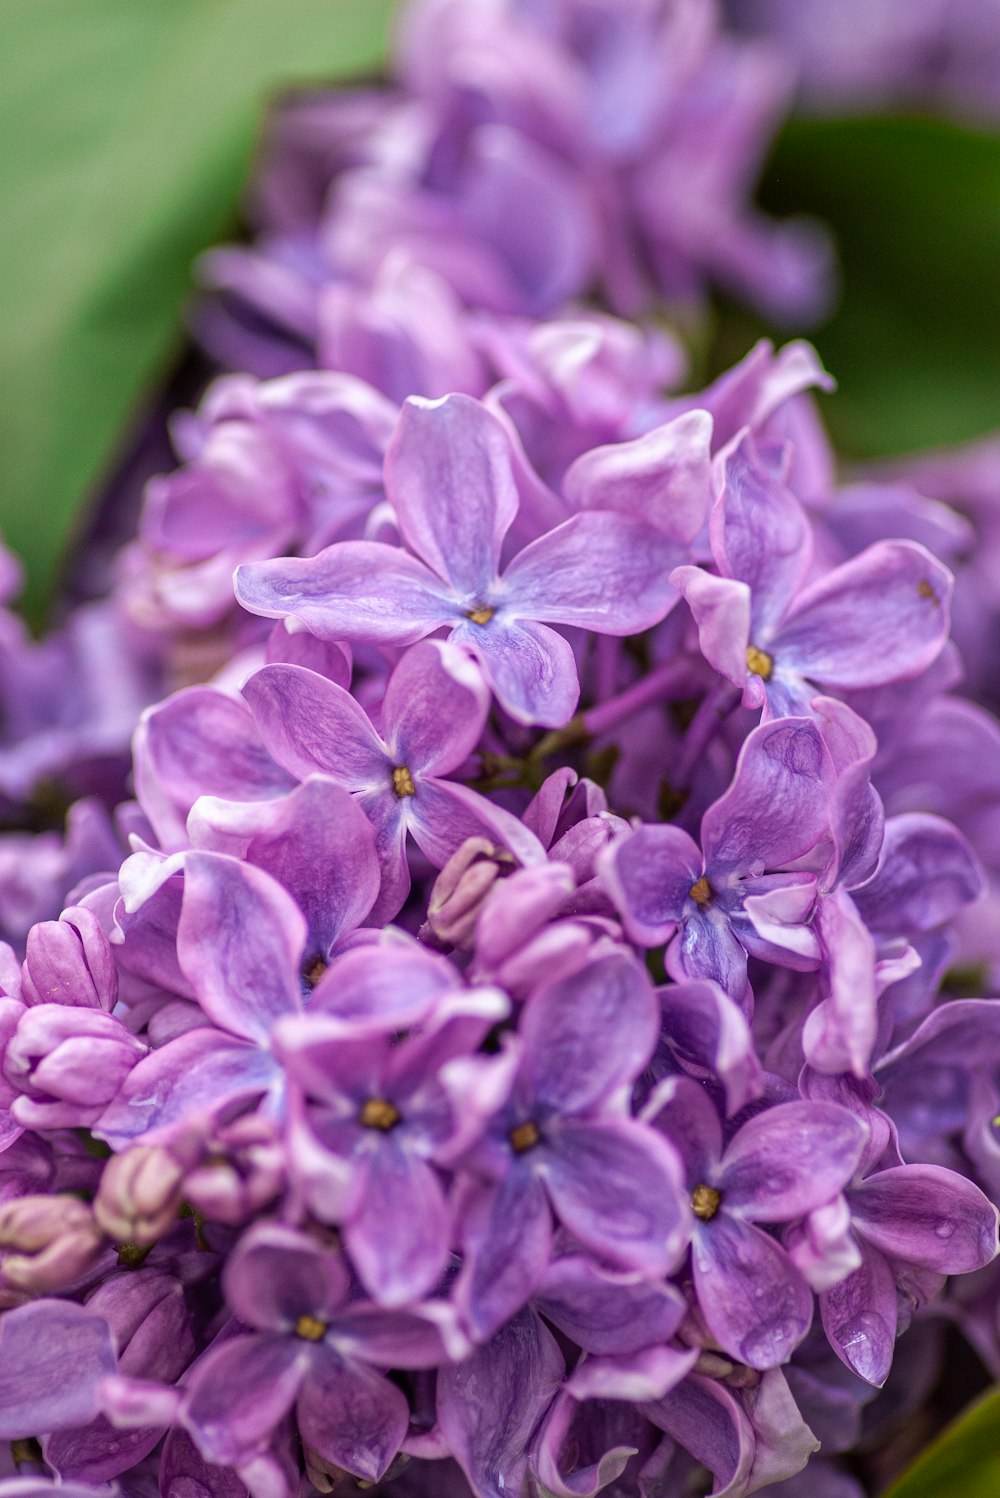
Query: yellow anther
point(759, 662)
point(310, 1328)
point(480, 615)
point(524, 1137)
point(705, 1202)
point(402, 782)
point(926, 591)
point(314, 970)
point(701, 891)
point(379, 1113)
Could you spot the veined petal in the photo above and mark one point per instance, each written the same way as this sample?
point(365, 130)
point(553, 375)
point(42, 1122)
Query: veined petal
point(354, 590)
point(312, 725)
point(435, 708)
point(351, 1416)
point(926, 1215)
point(760, 536)
point(756, 1304)
point(531, 668)
point(859, 1317)
point(239, 1391)
point(649, 876)
point(664, 477)
point(449, 476)
point(399, 1236)
point(789, 1159)
point(598, 570)
point(879, 618)
point(506, 1237)
point(721, 610)
point(605, 1313)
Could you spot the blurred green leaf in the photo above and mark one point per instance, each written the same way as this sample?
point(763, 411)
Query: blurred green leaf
point(127, 127)
point(915, 207)
point(964, 1462)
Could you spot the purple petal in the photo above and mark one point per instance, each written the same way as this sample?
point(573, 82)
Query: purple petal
point(760, 536)
point(489, 1406)
point(927, 874)
point(52, 1355)
point(573, 1433)
point(240, 941)
point(506, 1235)
point(590, 1034)
point(756, 1304)
point(707, 947)
point(351, 1416)
point(663, 477)
point(184, 1471)
point(881, 617)
point(705, 1418)
point(616, 1184)
point(638, 1376)
point(709, 1035)
point(859, 1317)
point(649, 876)
point(311, 724)
point(530, 668)
point(789, 1159)
point(777, 807)
point(926, 1215)
point(435, 708)
point(354, 590)
point(276, 1275)
point(721, 610)
point(239, 1391)
point(598, 570)
point(839, 1035)
point(689, 1119)
point(443, 815)
point(399, 1237)
point(449, 476)
point(185, 1085)
point(604, 1313)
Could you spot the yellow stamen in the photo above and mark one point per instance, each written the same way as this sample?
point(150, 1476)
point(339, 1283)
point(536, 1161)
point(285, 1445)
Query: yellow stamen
point(926, 591)
point(314, 970)
point(701, 891)
point(705, 1202)
point(310, 1328)
point(480, 615)
point(759, 662)
point(379, 1113)
point(402, 782)
point(524, 1137)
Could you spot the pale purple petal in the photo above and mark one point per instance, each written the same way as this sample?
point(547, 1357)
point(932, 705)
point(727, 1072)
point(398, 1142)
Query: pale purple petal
point(706, 1419)
point(789, 1159)
point(859, 1317)
point(709, 1035)
point(755, 1302)
point(52, 1355)
point(506, 1235)
point(663, 477)
point(531, 668)
point(926, 1215)
point(398, 1238)
point(449, 476)
point(239, 1391)
point(354, 590)
point(881, 617)
point(240, 942)
point(276, 1275)
point(760, 536)
point(434, 709)
point(649, 876)
point(606, 1313)
point(721, 610)
point(311, 724)
point(598, 570)
point(590, 1034)
point(443, 814)
point(689, 1119)
point(927, 874)
point(489, 1406)
point(706, 947)
point(616, 1184)
point(351, 1416)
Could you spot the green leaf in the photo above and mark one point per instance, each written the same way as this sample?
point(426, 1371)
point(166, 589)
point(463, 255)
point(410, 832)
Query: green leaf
point(915, 207)
point(964, 1462)
point(128, 129)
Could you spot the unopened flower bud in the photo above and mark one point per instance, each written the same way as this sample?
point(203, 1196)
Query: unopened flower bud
point(139, 1195)
point(460, 889)
point(68, 1063)
point(46, 1242)
point(243, 1170)
point(70, 962)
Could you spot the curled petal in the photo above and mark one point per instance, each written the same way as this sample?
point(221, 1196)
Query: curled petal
point(926, 1215)
point(859, 1317)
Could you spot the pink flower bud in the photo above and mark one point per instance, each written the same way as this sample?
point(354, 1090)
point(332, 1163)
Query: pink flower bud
point(461, 887)
point(139, 1194)
point(46, 1242)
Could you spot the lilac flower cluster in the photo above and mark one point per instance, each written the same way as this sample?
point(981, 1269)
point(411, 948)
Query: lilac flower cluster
point(514, 1042)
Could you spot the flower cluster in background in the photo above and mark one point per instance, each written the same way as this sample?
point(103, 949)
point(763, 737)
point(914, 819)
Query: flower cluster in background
point(525, 1033)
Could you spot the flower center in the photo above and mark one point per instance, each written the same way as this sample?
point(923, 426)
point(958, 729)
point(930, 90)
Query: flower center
point(481, 614)
point(701, 891)
point(523, 1137)
point(310, 1329)
point(313, 970)
point(759, 662)
point(379, 1113)
point(705, 1202)
point(402, 782)
point(926, 591)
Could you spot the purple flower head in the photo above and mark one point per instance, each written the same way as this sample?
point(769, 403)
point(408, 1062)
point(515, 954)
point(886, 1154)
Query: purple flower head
point(450, 478)
point(313, 1349)
point(779, 1166)
point(881, 617)
point(716, 903)
point(432, 717)
point(561, 1141)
